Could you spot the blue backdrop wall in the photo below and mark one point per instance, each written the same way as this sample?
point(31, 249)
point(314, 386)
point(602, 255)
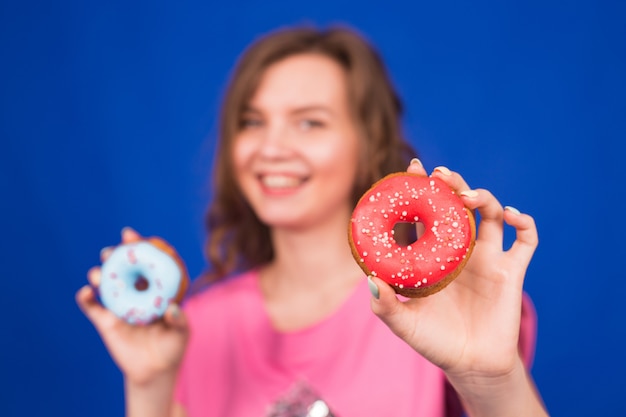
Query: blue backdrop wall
point(108, 119)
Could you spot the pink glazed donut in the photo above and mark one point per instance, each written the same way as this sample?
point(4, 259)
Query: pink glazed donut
point(436, 258)
point(139, 280)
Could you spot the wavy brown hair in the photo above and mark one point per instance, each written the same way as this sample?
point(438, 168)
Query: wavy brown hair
point(237, 239)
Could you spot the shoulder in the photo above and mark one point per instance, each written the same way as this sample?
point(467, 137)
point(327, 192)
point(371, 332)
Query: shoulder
point(225, 291)
point(223, 294)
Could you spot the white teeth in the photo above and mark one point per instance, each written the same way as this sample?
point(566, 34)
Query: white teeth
point(280, 181)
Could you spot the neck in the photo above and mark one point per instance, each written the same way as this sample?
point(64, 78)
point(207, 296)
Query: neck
point(314, 258)
point(312, 274)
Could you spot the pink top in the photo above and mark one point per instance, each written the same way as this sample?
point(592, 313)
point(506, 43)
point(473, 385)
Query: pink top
point(236, 364)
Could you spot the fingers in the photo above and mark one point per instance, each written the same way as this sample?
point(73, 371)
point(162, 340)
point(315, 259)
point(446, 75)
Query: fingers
point(129, 235)
point(102, 318)
point(489, 208)
point(85, 297)
point(453, 179)
point(93, 276)
point(493, 216)
point(527, 238)
point(490, 227)
point(388, 307)
point(105, 253)
point(91, 307)
point(416, 167)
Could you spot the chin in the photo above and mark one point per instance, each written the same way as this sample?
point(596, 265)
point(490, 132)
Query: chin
point(280, 220)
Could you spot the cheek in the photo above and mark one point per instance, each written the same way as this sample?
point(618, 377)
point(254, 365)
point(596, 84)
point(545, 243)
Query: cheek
point(339, 159)
point(241, 154)
point(354, 165)
point(349, 155)
point(238, 152)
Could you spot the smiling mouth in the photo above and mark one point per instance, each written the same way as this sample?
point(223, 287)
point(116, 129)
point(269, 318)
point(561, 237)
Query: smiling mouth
point(281, 182)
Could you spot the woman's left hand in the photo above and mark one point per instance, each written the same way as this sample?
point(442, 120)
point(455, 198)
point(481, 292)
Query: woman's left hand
point(470, 329)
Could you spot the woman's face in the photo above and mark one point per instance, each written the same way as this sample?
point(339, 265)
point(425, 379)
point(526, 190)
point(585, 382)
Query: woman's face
point(296, 152)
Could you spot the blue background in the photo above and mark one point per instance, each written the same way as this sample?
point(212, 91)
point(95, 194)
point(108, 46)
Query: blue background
point(108, 119)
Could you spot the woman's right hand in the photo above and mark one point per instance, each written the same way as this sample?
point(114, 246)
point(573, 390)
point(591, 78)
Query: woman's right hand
point(146, 353)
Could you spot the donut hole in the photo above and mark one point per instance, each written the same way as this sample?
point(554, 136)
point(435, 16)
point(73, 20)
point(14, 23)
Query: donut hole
point(407, 233)
point(141, 283)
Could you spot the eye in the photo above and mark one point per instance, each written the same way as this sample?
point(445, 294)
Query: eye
point(308, 124)
point(250, 122)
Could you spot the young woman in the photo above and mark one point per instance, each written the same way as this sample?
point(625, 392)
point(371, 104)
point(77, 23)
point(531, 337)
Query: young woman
point(310, 120)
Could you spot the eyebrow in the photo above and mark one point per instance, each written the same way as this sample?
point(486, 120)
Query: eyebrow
point(313, 108)
point(297, 110)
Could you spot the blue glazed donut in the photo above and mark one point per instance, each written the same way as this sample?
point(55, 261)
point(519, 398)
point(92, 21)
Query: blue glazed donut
point(139, 280)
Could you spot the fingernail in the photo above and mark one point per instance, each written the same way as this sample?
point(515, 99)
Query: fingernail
point(469, 193)
point(416, 161)
point(443, 170)
point(174, 310)
point(105, 249)
point(512, 209)
point(373, 288)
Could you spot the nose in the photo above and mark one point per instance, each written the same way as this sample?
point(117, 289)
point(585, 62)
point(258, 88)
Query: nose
point(275, 142)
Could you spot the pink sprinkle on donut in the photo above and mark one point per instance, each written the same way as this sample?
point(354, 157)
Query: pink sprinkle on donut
point(131, 256)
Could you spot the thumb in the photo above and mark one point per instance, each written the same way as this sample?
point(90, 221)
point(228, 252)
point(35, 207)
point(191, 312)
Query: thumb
point(175, 318)
point(388, 307)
